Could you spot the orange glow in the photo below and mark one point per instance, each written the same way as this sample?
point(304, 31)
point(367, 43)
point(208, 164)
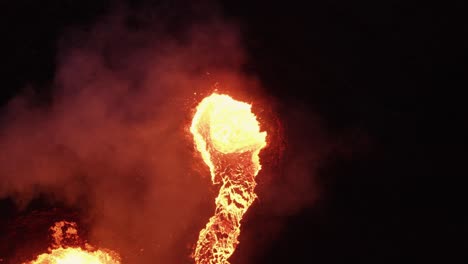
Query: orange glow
point(227, 134)
point(61, 254)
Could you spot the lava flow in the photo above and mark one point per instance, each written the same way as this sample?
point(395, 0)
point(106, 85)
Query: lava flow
point(227, 134)
point(59, 253)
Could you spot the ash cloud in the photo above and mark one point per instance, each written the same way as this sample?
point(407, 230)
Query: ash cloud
point(114, 138)
point(114, 141)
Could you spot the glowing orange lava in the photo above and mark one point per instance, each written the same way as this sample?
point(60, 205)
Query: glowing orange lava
point(66, 232)
point(227, 134)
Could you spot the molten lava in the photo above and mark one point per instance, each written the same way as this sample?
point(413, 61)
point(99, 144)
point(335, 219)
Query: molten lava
point(227, 134)
point(59, 253)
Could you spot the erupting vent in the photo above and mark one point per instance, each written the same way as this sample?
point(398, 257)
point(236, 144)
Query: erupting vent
point(60, 252)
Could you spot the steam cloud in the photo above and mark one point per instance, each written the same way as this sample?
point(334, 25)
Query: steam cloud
point(114, 141)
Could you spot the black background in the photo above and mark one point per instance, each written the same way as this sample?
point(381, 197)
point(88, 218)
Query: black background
point(383, 67)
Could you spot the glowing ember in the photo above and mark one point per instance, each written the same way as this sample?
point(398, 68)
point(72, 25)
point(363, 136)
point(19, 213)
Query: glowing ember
point(62, 254)
point(228, 136)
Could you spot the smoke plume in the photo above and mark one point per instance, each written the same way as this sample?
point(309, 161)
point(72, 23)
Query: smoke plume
point(113, 138)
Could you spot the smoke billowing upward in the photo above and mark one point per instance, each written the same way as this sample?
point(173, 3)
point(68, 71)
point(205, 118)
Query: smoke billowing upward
point(113, 139)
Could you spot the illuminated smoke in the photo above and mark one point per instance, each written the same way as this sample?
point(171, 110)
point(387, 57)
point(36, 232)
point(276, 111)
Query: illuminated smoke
point(113, 140)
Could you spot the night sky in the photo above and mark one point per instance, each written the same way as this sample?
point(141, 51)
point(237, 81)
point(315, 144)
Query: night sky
point(377, 74)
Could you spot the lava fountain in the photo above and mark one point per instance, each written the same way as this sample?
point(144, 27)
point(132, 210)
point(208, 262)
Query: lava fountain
point(60, 253)
point(227, 134)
